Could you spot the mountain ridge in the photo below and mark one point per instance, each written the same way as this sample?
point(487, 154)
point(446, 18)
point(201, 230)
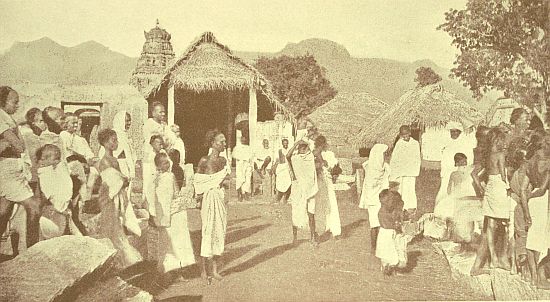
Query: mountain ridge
point(90, 62)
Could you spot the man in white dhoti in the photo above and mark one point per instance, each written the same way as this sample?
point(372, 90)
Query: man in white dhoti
point(211, 176)
point(304, 189)
point(405, 167)
point(14, 187)
point(282, 174)
point(325, 162)
point(456, 144)
point(243, 169)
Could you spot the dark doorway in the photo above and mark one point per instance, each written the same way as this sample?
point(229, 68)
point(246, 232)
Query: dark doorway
point(196, 113)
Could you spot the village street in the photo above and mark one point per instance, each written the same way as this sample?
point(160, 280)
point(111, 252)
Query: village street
point(261, 264)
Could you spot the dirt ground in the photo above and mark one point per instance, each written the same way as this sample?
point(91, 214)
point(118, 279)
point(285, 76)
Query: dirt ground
point(261, 264)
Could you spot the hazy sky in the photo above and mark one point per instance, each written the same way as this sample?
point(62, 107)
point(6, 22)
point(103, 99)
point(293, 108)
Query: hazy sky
point(395, 29)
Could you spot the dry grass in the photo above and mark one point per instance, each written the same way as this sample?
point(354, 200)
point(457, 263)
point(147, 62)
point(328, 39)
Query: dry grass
point(430, 106)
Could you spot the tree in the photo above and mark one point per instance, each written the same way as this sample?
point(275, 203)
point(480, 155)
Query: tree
point(504, 45)
point(426, 76)
point(299, 82)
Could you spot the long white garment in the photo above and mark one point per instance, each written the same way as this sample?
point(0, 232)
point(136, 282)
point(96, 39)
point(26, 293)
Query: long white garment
point(174, 239)
point(113, 215)
point(452, 147)
point(243, 168)
point(282, 172)
point(405, 167)
point(56, 185)
point(333, 223)
point(75, 144)
point(124, 153)
point(386, 248)
point(304, 188)
point(376, 177)
point(461, 186)
point(149, 176)
point(213, 212)
point(180, 146)
point(537, 237)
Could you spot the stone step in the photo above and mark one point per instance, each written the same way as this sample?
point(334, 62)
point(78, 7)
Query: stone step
point(114, 289)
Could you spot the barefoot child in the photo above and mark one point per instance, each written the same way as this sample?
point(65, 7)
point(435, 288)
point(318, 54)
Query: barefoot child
point(176, 250)
point(496, 205)
point(390, 217)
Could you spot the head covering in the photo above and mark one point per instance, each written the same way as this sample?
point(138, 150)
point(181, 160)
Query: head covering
point(376, 158)
point(455, 126)
point(119, 122)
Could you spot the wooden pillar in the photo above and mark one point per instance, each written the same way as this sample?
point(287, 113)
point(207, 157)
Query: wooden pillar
point(171, 110)
point(229, 98)
point(252, 117)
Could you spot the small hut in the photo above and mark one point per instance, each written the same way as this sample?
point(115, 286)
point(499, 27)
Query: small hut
point(501, 111)
point(207, 87)
point(428, 109)
point(342, 118)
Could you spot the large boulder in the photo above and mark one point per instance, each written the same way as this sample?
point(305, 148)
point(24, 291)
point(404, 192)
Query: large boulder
point(461, 264)
point(114, 289)
point(500, 284)
point(53, 269)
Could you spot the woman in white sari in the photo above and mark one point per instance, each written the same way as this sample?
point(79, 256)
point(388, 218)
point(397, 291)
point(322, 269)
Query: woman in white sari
point(377, 173)
point(114, 201)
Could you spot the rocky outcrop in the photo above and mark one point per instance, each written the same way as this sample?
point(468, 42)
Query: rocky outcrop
point(114, 289)
point(52, 269)
point(500, 284)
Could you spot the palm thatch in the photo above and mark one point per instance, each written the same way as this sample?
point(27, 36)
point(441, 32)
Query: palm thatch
point(430, 106)
point(210, 65)
point(343, 117)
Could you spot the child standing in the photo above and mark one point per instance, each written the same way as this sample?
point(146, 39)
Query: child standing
point(390, 217)
point(176, 250)
point(56, 186)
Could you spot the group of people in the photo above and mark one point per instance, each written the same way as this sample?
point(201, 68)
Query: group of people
point(389, 196)
point(511, 174)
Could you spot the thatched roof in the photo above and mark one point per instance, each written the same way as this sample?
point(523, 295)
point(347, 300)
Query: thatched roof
point(430, 106)
point(210, 65)
point(343, 117)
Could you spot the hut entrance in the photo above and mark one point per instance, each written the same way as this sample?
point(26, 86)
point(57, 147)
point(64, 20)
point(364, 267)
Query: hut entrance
point(196, 113)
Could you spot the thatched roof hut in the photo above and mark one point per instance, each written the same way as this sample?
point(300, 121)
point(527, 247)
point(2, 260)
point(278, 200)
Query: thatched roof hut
point(427, 107)
point(343, 117)
point(207, 87)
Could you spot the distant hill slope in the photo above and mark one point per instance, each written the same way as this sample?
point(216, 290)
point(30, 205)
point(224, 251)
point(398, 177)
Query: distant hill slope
point(45, 61)
point(383, 78)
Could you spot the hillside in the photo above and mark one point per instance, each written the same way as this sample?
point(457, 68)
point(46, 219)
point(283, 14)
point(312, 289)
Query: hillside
point(382, 78)
point(45, 61)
